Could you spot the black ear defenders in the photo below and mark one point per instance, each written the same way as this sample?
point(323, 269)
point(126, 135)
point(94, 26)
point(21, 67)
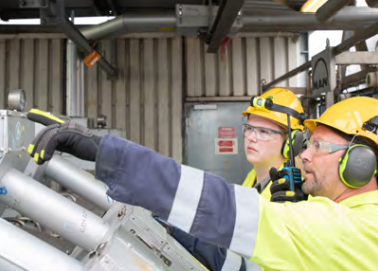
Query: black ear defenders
point(295, 136)
point(357, 166)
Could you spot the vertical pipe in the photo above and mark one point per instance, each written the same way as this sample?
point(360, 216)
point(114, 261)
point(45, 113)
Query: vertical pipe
point(79, 181)
point(75, 80)
point(71, 79)
point(71, 221)
point(20, 251)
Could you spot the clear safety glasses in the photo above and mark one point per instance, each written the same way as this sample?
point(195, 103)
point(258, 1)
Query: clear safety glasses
point(321, 147)
point(261, 133)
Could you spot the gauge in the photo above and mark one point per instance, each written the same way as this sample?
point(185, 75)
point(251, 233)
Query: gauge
point(17, 100)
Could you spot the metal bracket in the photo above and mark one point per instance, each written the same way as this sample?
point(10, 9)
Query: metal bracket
point(193, 20)
point(78, 38)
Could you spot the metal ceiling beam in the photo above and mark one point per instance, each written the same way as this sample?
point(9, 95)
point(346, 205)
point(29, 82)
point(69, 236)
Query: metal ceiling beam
point(226, 16)
point(330, 8)
point(75, 35)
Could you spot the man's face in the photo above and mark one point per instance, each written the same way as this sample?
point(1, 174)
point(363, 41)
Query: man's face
point(322, 169)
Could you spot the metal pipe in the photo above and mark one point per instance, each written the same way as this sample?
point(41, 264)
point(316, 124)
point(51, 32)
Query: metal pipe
point(359, 36)
point(131, 24)
point(75, 80)
point(79, 181)
point(360, 16)
point(20, 251)
point(71, 221)
point(329, 9)
point(291, 73)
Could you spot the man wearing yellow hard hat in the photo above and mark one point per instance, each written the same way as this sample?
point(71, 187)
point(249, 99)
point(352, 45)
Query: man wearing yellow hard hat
point(336, 229)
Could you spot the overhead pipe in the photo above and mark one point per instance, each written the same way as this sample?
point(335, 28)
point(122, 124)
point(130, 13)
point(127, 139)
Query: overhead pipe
point(131, 24)
point(359, 16)
point(329, 9)
point(267, 21)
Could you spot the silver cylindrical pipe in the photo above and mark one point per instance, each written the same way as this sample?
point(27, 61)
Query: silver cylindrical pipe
point(20, 251)
point(79, 181)
point(130, 24)
point(75, 81)
point(52, 210)
point(361, 16)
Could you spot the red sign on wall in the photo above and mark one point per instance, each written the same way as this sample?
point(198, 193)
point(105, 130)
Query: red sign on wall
point(226, 146)
point(226, 132)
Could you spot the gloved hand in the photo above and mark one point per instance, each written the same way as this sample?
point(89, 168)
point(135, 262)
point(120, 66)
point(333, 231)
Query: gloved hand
point(68, 137)
point(287, 185)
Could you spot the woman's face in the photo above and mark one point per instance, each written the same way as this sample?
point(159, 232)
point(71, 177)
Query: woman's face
point(262, 152)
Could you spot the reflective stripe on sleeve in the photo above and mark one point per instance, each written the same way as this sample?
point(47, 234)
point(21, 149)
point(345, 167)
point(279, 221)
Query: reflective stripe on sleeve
point(247, 218)
point(187, 197)
point(232, 262)
point(250, 266)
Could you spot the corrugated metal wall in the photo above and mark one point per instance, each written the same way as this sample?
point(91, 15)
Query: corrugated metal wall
point(34, 63)
point(146, 100)
point(246, 63)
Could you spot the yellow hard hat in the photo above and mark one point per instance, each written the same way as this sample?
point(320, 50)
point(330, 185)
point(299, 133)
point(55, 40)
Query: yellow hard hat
point(279, 96)
point(348, 116)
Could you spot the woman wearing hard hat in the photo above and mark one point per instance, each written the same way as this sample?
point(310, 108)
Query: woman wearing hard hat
point(266, 145)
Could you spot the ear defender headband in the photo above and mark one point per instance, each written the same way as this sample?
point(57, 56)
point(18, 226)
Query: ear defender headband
point(293, 143)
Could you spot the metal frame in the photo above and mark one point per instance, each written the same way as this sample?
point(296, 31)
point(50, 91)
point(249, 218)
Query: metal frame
point(343, 46)
point(228, 12)
point(77, 37)
point(54, 13)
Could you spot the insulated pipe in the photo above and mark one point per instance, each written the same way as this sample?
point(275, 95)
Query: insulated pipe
point(361, 16)
point(59, 214)
point(79, 181)
point(329, 9)
point(20, 251)
point(130, 24)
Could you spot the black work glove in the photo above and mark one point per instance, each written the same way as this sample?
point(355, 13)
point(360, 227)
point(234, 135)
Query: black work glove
point(282, 189)
point(68, 137)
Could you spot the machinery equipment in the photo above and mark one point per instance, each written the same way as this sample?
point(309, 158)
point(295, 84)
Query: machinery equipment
point(124, 238)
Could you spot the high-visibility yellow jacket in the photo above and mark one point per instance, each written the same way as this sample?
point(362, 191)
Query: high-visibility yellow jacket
point(251, 179)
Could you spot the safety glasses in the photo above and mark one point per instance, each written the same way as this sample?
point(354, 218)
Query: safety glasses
point(321, 147)
point(261, 133)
